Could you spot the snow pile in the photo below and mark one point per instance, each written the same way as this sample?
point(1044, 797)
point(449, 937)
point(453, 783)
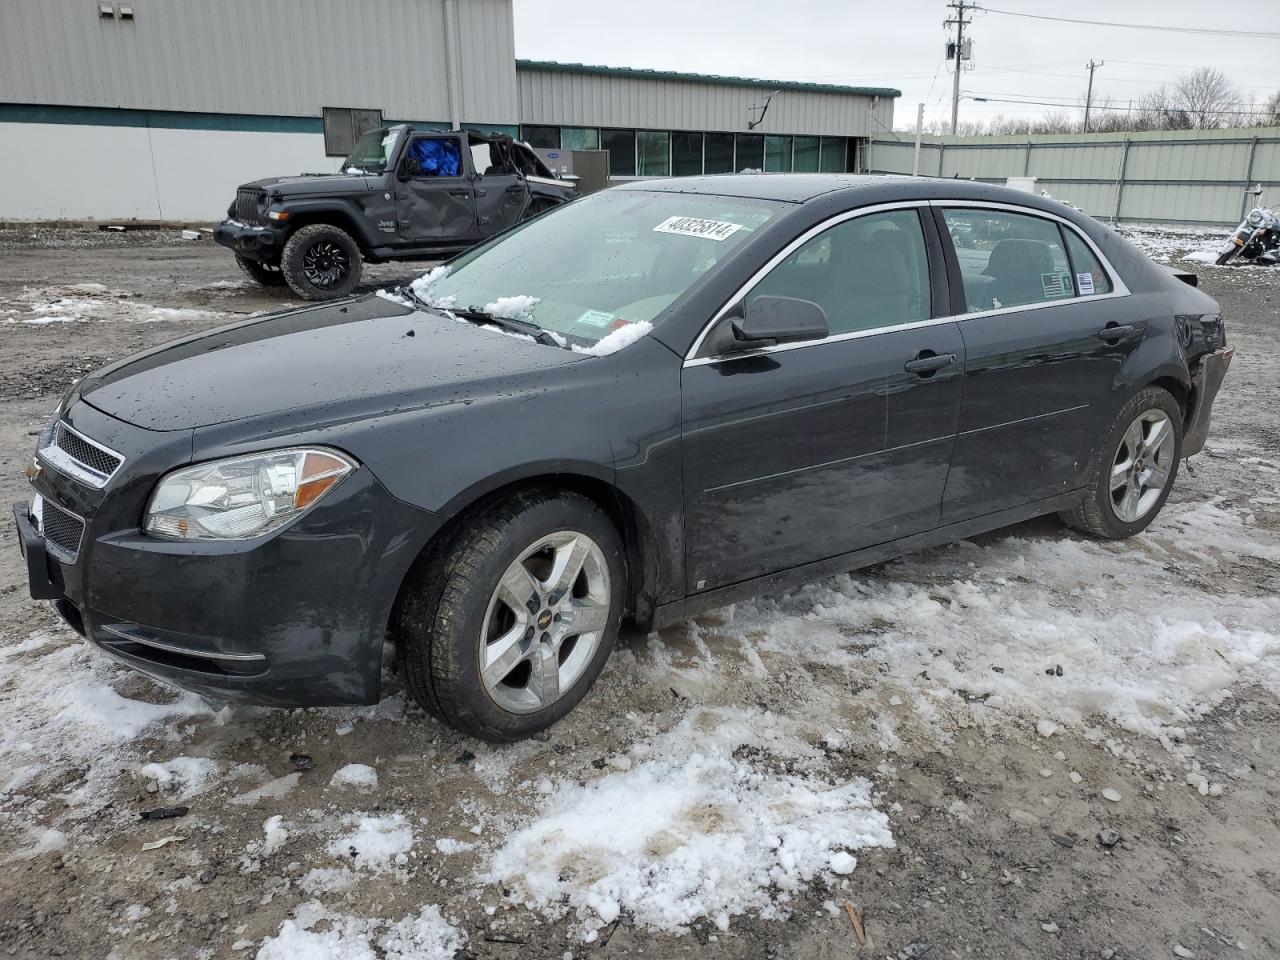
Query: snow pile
point(615, 341)
point(727, 813)
point(422, 286)
point(276, 835)
point(355, 775)
point(184, 776)
point(512, 308)
point(426, 935)
point(96, 303)
point(375, 843)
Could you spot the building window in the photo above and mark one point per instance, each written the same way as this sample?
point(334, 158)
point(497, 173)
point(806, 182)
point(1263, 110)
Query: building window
point(579, 138)
point(343, 127)
point(621, 145)
point(750, 155)
point(806, 155)
point(541, 138)
point(686, 154)
point(777, 154)
point(653, 150)
point(719, 153)
point(832, 158)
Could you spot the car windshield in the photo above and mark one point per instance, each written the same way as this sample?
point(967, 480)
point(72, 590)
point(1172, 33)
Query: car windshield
point(616, 258)
point(372, 151)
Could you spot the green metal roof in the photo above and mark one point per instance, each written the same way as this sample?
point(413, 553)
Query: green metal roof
point(552, 66)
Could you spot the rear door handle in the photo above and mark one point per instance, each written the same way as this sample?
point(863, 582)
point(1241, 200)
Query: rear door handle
point(1116, 331)
point(929, 363)
point(515, 188)
point(459, 193)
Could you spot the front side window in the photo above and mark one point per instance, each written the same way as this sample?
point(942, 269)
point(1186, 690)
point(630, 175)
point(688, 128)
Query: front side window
point(601, 263)
point(1008, 259)
point(435, 157)
point(865, 273)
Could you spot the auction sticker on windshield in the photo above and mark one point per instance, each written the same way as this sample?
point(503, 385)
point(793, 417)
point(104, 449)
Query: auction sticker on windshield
point(696, 227)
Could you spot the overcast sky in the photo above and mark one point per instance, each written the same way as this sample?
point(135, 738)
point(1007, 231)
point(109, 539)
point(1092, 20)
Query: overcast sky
point(900, 44)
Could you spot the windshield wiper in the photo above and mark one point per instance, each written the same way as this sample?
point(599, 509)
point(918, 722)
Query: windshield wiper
point(477, 316)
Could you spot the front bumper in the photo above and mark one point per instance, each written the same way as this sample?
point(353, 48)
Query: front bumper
point(295, 618)
point(1205, 382)
point(265, 243)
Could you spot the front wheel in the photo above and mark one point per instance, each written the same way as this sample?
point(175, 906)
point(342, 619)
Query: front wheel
point(1227, 255)
point(321, 262)
point(503, 631)
point(266, 274)
point(1133, 469)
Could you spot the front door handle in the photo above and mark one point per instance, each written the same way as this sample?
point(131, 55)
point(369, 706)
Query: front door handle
point(928, 363)
point(1116, 331)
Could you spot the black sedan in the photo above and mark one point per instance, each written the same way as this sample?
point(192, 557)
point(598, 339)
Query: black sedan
point(661, 397)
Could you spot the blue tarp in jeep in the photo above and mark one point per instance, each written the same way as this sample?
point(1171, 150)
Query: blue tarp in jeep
point(437, 157)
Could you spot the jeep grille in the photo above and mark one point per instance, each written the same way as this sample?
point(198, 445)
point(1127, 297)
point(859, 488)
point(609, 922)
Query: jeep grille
point(247, 205)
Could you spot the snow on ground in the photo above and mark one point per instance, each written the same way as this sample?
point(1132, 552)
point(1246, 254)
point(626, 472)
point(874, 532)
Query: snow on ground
point(696, 829)
point(1165, 243)
point(314, 933)
point(91, 303)
point(355, 775)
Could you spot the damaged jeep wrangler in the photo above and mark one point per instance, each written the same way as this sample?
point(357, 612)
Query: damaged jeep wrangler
point(401, 195)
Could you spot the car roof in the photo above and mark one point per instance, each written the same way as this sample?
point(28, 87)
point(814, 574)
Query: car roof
point(856, 188)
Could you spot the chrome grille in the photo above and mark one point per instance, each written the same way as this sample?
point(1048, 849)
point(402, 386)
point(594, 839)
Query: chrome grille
point(75, 454)
point(62, 531)
point(247, 201)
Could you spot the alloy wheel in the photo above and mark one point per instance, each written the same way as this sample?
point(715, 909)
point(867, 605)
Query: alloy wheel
point(325, 264)
point(1142, 465)
point(544, 622)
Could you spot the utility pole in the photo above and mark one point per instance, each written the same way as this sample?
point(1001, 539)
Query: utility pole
point(1088, 97)
point(915, 163)
point(959, 6)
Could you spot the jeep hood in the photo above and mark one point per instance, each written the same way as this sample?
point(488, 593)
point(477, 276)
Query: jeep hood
point(346, 360)
point(316, 183)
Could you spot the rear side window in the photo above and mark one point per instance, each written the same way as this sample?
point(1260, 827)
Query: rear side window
point(865, 273)
point(1008, 259)
point(1089, 275)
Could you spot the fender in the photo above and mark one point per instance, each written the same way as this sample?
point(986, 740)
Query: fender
point(340, 211)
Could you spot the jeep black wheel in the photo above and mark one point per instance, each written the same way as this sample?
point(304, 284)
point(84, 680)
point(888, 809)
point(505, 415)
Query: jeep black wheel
point(321, 262)
point(267, 274)
point(501, 631)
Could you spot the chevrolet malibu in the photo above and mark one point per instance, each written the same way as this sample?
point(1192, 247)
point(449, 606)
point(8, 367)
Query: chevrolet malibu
point(665, 396)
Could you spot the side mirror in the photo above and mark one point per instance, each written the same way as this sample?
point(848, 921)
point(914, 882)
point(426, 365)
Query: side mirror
point(410, 168)
point(770, 320)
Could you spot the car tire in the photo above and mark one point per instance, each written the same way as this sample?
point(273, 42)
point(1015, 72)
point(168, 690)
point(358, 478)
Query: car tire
point(321, 262)
point(490, 661)
point(268, 275)
point(1124, 487)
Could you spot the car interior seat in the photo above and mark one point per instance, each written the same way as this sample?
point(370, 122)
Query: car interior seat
point(1016, 268)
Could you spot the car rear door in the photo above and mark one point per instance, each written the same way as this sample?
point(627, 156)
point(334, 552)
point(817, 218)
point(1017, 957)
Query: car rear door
point(799, 452)
point(500, 190)
point(435, 200)
point(1043, 353)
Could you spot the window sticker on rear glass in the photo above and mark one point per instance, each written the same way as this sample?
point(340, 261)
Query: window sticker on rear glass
point(1085, 282)
point(595, 318)
point(1056, 285)
point(716, 230)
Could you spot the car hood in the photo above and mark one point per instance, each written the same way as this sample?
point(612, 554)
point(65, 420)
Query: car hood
point(343, 360)
point(316, 183)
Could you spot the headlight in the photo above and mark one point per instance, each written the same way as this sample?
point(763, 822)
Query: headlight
point(244, 496)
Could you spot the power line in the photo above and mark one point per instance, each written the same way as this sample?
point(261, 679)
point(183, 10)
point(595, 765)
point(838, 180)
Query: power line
point(1076, 103)
point(1209, 31)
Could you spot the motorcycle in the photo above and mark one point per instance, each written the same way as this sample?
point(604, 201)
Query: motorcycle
point(1257, 239)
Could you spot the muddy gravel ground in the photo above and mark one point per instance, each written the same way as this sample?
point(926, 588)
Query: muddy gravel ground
point(1024, 745)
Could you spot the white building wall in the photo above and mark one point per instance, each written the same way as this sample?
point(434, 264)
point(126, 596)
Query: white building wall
point(110, 172)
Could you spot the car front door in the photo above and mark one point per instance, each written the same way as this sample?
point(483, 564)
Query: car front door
point(1043, 353)
point(500, 189)
point(799, 452)
point(435, 200)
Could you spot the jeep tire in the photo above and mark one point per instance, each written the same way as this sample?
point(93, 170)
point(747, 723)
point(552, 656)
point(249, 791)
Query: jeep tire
point(321, 262)
point(267, 274)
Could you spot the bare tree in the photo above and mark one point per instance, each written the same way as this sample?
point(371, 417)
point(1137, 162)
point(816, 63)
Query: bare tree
point(1207, 97)
point(1270, 116)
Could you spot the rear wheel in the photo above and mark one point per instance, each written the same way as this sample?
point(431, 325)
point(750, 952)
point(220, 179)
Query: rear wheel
point(1134, 468)
point(269, 275)
point(504, 630)
point(321, 262)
